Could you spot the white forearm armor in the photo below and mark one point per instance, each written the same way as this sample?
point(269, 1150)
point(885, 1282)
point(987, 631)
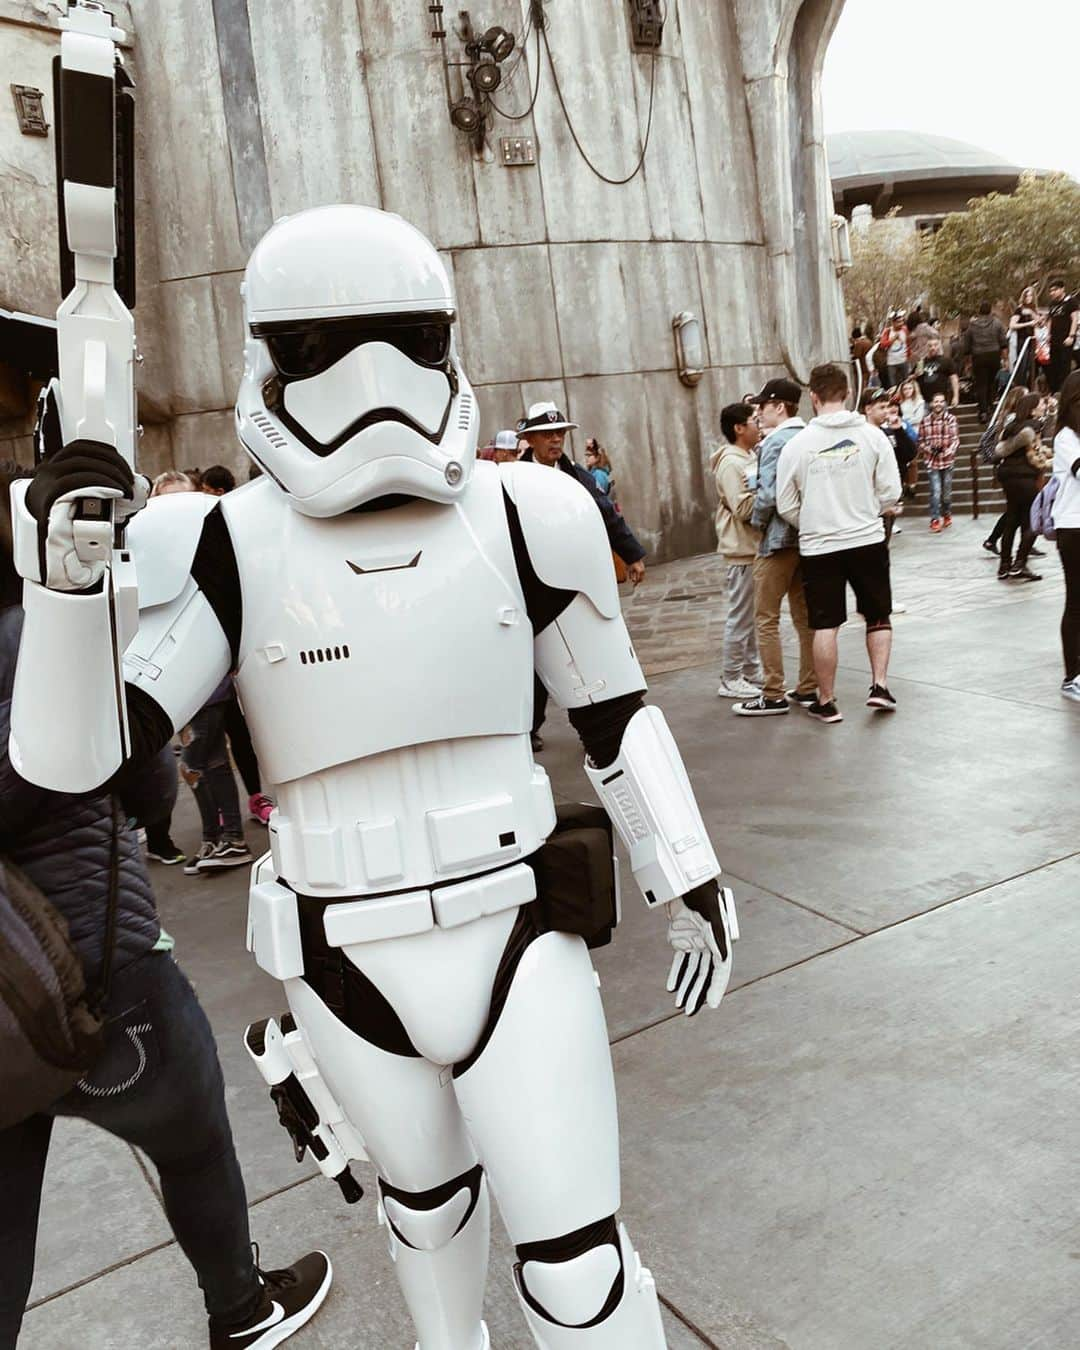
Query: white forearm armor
point(648, 796)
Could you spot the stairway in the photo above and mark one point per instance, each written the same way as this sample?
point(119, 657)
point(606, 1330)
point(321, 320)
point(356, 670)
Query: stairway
point(991, 497)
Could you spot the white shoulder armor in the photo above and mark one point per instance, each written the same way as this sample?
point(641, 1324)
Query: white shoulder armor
point(162, 539)
point(564, 533)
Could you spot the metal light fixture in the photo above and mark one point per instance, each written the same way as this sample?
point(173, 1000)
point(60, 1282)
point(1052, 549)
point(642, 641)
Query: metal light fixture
point(485, 77)
point(841, 245)
point(466, 116)
point(498, 42)
point(689, 347)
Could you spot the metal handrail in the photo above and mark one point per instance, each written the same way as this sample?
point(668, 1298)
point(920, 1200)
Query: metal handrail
point(975, 456)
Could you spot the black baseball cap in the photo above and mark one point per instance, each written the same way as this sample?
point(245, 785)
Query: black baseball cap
point(779, 390)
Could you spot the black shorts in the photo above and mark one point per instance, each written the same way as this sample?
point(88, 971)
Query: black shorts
point(866, 570)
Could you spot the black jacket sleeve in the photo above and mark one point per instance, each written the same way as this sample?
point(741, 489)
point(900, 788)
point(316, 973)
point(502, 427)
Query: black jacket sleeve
point(620, 535)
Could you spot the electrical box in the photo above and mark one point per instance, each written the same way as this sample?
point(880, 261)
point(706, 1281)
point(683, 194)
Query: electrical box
point(647, 23)
point(517, 150)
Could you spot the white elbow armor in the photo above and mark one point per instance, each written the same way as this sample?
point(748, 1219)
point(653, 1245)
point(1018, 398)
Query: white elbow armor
point(648, 796)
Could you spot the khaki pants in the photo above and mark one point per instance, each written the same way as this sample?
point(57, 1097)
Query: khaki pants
point(774, 577)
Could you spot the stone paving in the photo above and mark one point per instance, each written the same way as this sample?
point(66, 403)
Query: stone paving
point(871, 1146)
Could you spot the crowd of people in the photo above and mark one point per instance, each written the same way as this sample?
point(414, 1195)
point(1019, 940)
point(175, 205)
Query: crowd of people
point(807, 509)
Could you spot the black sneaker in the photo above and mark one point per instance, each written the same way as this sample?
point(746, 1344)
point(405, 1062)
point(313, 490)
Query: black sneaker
point(1036, 553)
point(801, 700)
point(880, 698)
point(825, 712)
point(991, 546)
point(205, 849)
point(760, 707)
point(1025, 574)
point(168, 854)
point(290, 1298)
point(227, 853)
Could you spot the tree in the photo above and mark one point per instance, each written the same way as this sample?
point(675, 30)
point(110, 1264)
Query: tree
point(887, 270)
point(1004, 242)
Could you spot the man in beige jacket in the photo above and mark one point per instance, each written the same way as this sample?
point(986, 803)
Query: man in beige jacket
point(735, 468)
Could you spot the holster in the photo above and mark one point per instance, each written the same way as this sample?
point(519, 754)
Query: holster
point(577, 883)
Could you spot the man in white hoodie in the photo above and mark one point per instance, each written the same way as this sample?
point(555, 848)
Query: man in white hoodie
point(834, 479)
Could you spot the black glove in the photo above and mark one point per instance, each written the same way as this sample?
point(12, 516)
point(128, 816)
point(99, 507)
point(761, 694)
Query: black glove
point(80, 465)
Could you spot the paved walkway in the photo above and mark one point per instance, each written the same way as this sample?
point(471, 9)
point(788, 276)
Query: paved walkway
point(873, 1144)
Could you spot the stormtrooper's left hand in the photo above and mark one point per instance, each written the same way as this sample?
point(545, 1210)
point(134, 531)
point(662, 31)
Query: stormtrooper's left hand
point(701, 927)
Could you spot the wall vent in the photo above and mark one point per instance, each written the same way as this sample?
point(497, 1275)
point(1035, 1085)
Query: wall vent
point(315, 656)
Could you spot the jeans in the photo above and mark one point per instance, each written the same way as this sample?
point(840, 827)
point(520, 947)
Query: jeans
point(896, 373)
point(775, 576)
point(1068, 542)
point(940, 481)
point(207, 771)
point(740, 640)
point(158, 1086)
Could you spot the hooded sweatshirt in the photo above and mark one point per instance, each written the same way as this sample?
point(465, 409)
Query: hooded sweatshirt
point(986, 335)
point(835, 478)
point(737, 540)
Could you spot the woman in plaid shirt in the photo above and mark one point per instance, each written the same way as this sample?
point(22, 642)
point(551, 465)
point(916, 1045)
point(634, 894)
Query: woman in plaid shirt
point(939, 440)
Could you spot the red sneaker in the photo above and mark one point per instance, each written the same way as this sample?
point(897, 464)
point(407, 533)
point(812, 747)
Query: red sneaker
point(946, 522)
point(935, 525)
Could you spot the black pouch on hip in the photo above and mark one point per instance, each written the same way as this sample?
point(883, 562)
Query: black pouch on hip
point(576, 888)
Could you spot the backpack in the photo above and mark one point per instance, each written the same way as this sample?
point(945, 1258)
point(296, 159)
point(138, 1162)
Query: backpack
point(52, 1027)
point(1042, 509)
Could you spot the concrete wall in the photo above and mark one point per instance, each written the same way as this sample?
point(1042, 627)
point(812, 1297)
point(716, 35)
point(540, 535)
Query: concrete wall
point(566, 286)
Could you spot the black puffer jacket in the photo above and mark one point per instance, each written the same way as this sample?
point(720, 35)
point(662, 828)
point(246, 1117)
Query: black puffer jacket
point(63, 843)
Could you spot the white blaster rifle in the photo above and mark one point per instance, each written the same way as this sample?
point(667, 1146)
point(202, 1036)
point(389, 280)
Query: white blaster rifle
point(94, 397)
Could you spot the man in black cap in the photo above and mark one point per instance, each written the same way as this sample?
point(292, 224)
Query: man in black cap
point(544, 429)
point(776, 568)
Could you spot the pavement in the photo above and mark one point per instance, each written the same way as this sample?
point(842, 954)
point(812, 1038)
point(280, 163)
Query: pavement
point(872, 1145)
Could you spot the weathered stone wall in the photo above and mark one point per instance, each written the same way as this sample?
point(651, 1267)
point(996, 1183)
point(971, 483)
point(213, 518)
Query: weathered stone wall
point(566, 286)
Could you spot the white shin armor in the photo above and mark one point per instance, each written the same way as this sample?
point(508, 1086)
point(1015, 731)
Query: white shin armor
point(565, 1302)
point(648, 796)
point(439, 1245)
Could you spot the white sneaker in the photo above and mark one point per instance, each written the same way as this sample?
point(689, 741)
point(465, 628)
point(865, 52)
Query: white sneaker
point(899, 607)
point(1071, 689)
point(739, 688)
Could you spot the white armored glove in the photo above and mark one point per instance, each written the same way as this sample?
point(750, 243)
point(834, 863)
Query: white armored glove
point(701, 927)
point(74, 532)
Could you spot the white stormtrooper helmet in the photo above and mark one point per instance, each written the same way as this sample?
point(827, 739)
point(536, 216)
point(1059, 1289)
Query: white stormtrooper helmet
point(351, 386)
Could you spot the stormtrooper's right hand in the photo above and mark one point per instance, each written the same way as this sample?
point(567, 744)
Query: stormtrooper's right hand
point(83, 469)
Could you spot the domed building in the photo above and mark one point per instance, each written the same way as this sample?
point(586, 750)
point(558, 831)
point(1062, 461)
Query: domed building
point(925, 175)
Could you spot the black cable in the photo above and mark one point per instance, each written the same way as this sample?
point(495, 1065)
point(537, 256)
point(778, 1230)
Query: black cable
point(615, 182)
point(519, 117)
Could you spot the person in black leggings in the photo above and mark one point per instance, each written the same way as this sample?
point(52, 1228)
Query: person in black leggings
point(1067, 524)
point(1021, 479)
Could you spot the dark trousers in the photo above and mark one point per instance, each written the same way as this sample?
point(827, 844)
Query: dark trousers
point(984, 369)
point(1018, 499)
point(1060, 365)
point(208, 773)
point(1068, 542)
point(243, 752)
point(157, 1086)
point(999, 528)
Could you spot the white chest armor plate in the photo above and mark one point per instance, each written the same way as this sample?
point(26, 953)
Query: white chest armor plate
point(386, 668)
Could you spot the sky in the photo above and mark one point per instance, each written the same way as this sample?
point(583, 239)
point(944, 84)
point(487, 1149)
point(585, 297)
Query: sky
point(957, 67)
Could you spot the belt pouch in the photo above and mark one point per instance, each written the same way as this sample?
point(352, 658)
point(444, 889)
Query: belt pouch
point(575, 875)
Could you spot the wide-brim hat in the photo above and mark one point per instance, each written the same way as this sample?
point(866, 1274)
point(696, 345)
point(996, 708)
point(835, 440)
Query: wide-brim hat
point(543, 417)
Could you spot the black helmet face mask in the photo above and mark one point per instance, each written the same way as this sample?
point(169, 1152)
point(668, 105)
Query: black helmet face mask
point(336, 377)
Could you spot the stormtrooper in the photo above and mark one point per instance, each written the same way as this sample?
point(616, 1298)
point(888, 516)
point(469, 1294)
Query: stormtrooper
point(383, 599)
